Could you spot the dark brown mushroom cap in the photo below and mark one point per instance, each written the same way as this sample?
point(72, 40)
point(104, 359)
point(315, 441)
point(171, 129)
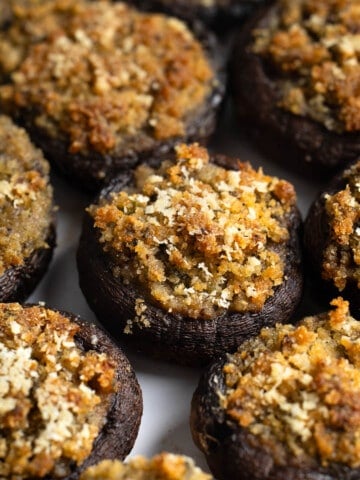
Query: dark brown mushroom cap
point(17, 283)
point(316, 234)
point(170, 335)
point(232, 452)
point(117, 437)
point(297, 141)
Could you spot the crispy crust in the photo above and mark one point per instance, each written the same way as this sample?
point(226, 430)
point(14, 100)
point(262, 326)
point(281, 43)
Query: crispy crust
point(231, 452)
point(298, 142)
point(118, 435)
point(165, 466)
point(172, 336)
point(316, 233)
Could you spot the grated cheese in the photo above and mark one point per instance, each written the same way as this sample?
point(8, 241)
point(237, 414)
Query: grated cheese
point(188, 240)
point(296, 389)
point(53, 396)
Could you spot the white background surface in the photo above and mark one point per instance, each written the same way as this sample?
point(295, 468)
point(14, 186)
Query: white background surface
point(167, 389)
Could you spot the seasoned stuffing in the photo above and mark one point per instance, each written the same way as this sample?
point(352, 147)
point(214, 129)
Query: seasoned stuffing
point(109, 75)
point(25, 197)
point(296, 389)
point(29, 22)
point(199, 238)
point(341, 258)
point(53, 396)
point(315, 47)
point(164, 466)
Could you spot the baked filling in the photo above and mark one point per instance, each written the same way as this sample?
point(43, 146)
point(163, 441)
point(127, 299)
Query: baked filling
point(53, 395)
point(25, 197)
point(296, 389)
point(198, 238)
point(341, 258)
point(164, 466)
point(314, 47)
point(29, 22)
point(109, 75)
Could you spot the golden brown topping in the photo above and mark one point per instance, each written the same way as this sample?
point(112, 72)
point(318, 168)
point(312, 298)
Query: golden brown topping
point(164, 466)
point(341, 258)
point(296, 388)
point(31, 22)
point(111, 74)
point(198, 237)
point(25, 196)
point(50, 393)
point(315, 45)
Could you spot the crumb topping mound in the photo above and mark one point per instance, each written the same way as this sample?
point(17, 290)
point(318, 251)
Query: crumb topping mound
point(25, 197)
point(164, 466)
point(341, 258)
point(50, 393)
point(199, 238)
point(28, 22)
point(296, 389)
point(315, 46)
point(110, 74)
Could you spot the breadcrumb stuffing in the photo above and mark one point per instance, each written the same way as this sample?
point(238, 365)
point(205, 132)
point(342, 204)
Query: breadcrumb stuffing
point(53, 395)
point(199, 238)
point(140, 318)
point(296, 389)
point(25, 197)
point(164, 466)
point(28, 22)
point(103, 73)
point(315, 47)
point(341, 258)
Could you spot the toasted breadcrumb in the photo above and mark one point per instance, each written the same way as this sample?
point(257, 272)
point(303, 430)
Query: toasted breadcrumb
point(53, 395)
point(26, 209)
point(296, 389)
point(198, 237)
point(341, 257)
point(315, 47)
point(164, 466)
